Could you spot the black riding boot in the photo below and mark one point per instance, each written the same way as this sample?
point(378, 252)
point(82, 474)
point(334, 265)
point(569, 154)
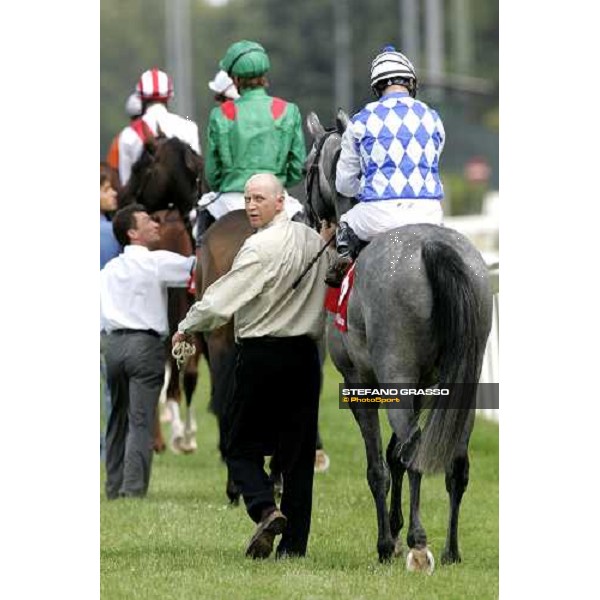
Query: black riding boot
point(348, 246)
point(203, 221)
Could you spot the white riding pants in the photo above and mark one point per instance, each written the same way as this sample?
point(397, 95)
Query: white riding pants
point(367, 219)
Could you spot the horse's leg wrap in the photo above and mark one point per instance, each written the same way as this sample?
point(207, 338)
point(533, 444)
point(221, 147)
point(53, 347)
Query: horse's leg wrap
point(176, 426)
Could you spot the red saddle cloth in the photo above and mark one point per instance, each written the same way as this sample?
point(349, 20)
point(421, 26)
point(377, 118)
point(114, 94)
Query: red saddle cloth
point(336, 300)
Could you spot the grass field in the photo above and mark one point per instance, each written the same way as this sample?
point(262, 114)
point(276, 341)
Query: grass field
point(183, 542)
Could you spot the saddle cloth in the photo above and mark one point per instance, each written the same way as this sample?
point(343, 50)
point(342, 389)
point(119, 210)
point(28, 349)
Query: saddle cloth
point(336, 300)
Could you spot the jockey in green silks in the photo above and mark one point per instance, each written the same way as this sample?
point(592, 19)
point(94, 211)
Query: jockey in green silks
point(256, 133)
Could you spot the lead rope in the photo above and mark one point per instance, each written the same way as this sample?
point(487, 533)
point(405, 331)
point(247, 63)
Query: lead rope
point(181, 353)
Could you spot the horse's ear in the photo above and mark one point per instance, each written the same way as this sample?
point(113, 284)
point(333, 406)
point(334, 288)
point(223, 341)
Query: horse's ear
point(314, 126)
point(192, 161)
point(341, 120)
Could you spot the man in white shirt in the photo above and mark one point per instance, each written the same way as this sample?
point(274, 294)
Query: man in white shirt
point(277, 374)
point(155, 88)
point(133, 313)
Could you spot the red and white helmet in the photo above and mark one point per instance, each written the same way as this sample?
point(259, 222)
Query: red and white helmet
point(155, 85)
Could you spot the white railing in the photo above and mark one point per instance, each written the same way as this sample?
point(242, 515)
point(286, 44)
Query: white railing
point(482, 230)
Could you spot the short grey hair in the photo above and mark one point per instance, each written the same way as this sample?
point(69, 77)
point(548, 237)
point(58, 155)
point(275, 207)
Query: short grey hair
point(274, 183)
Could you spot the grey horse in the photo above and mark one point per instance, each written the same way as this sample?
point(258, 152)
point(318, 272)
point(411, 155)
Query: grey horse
point(420, 313)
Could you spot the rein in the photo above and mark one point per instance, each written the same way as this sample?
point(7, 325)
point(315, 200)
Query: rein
point(313, 172)
point(312, 262)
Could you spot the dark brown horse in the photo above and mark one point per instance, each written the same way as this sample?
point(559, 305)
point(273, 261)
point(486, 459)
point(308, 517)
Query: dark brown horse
point(166, 179)
point(220, 244)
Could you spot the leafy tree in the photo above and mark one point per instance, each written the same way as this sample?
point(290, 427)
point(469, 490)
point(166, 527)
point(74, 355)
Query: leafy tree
point(299, 37)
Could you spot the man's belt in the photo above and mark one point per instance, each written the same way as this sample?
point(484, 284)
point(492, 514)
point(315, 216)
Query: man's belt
point(129, 331)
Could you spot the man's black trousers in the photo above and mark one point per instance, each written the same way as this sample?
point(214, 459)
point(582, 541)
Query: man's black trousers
point(274, 409)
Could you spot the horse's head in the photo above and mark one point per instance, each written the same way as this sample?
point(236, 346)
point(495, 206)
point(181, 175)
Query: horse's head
point(177, 171)
point(323, 200)
point(166, 175)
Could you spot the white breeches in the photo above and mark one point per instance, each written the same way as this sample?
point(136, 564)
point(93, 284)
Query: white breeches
point(218, 205)
point(367, 219)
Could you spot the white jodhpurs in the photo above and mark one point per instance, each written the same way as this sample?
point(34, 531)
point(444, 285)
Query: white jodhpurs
point(367, 219)
point(218, 205)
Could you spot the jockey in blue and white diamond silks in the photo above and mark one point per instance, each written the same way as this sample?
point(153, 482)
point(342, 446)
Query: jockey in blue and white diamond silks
point(389, 159)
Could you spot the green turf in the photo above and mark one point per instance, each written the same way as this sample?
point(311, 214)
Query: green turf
point(183, 542)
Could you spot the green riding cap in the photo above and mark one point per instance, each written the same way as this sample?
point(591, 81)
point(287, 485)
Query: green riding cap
point(245, 59)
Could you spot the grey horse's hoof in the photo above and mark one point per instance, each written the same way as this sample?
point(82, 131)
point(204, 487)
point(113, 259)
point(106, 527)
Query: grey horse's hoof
point(420, 559)
point(385, 551)
point(450, 557)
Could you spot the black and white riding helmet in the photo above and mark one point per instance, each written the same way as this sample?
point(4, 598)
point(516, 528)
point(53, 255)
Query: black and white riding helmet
point(391, 66)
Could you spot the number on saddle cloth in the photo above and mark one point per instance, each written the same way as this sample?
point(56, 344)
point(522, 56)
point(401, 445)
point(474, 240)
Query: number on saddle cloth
point(336, 300)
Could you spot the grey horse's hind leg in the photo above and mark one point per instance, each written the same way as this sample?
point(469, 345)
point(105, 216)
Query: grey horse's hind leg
point(398, 456)
point(457, 479)
point(403, 421)
point(397, 470)
point(416, 538)
point(406, 430)
point(377, 476)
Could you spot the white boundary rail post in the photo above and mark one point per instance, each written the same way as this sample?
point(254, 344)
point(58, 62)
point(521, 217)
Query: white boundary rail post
point(482, 230)
point(490, 369)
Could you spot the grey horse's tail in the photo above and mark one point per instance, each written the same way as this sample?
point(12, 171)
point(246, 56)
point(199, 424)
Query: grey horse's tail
point(455, 320)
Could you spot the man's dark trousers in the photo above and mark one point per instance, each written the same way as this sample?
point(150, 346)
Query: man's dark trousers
point(135, 364)
point(275, 409)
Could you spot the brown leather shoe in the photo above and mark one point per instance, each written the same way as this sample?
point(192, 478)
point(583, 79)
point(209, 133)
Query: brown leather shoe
point(261, 543)
point(335, 273)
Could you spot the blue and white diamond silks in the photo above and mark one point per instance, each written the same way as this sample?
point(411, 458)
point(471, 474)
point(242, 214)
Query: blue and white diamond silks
point(399, 141)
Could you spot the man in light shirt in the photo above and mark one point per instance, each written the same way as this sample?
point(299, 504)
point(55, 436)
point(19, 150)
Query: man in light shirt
point(277, 377)
point(133, 313)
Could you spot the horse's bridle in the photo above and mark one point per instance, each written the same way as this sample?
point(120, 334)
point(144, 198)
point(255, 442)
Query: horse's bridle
point(313, 172)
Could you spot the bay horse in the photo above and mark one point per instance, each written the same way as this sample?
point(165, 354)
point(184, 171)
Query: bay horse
point(166, 179)
point(419, 313)
point(220, 244)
